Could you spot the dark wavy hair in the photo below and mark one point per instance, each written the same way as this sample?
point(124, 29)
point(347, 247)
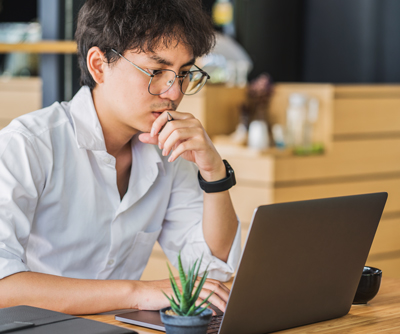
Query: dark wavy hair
point(141, 25)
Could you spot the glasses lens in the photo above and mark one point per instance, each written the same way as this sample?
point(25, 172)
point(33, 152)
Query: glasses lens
point(161, 82)
point(194, 81)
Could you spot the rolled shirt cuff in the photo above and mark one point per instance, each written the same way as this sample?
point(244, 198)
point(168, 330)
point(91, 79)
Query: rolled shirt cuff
point(10, 264)
point(218, 269)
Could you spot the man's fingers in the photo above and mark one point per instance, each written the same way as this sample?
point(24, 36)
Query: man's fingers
point(220, 296)
point(178, 135)
point(221, 285)
point(161, 121)
point(214, 281)
point(185, 135)
point(152, 298)
point(219, 289)
point(177, 125)
point(214, 299)
point(147, 139)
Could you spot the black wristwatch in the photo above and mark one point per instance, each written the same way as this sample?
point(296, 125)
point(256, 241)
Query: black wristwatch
point(221, 185)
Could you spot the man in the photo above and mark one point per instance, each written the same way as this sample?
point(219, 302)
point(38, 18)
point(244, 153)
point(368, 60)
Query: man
point(88, 186)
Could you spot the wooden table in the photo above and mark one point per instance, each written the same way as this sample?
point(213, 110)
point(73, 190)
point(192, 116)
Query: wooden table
point(381, 315)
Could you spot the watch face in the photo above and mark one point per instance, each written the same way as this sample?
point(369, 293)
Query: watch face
point(231, 172)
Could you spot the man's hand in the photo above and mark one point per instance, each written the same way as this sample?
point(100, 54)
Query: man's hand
point(87, 296)
point(149, 294)
point(186, 137)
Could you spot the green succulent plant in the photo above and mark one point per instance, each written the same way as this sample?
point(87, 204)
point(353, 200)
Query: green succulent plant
point(185, 303)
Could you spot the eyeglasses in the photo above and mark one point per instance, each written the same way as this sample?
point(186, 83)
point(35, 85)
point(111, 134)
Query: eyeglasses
point(190, 82)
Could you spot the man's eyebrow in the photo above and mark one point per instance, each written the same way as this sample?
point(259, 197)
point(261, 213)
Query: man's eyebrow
point(190, 62)
point(163, 61)
point(160, 60)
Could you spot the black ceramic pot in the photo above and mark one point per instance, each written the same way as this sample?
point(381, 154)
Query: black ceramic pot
point(369, 285)
point(186, 325)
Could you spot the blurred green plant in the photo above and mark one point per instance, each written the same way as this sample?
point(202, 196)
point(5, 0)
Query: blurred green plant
point(185, 303)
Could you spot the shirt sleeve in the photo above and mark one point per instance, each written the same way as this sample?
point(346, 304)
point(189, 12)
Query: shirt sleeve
point(183, 231)
point(20, 173)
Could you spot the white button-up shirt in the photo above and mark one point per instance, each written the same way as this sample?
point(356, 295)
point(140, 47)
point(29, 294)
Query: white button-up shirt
point(61, 212)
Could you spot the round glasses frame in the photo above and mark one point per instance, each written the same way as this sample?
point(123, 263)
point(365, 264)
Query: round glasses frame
point(182, 77)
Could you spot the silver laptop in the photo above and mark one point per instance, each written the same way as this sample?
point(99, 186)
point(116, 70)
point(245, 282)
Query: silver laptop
point(301, 264)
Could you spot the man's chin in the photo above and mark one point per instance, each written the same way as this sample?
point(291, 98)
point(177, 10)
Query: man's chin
point(141, 128)
point(144, 129)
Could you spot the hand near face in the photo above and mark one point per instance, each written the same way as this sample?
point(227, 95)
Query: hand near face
point(186, 137)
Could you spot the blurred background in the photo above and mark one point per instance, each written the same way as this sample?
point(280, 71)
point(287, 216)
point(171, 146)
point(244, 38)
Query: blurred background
point(304, 97)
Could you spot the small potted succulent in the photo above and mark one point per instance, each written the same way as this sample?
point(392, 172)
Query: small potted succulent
point(183, 316)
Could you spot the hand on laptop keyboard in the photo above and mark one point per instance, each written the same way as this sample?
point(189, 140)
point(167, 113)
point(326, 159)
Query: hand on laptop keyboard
point(219, 298)
point(148, 294)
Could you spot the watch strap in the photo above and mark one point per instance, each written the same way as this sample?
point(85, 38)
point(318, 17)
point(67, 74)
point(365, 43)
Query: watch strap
point(221, 185)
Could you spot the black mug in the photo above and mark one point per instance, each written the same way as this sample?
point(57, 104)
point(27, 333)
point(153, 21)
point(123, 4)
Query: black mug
point(369, 285)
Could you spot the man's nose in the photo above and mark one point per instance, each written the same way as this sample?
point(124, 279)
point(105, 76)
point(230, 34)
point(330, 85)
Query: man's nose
point(174, 92)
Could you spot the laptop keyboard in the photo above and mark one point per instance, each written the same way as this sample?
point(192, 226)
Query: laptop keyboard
point(214, 325)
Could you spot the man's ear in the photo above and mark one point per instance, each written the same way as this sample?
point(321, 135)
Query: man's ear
point(95, 62)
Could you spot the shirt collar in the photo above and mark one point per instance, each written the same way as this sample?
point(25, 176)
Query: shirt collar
point(88, 131)
point(150, 154)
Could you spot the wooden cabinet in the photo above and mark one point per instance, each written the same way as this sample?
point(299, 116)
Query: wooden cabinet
point(364, 157)
point(361, 127)
point(46, 46)
point(18, 96)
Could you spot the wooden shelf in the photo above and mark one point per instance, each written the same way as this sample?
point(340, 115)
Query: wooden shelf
point(64, 47)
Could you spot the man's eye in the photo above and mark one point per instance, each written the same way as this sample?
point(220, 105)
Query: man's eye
point(183, 73)
point(155, 72)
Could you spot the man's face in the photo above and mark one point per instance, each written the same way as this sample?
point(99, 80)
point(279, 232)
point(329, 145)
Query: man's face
point(126, 102)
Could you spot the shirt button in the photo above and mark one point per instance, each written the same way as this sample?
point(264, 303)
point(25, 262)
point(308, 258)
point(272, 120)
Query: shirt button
point(107, 160)
point(110, 263)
